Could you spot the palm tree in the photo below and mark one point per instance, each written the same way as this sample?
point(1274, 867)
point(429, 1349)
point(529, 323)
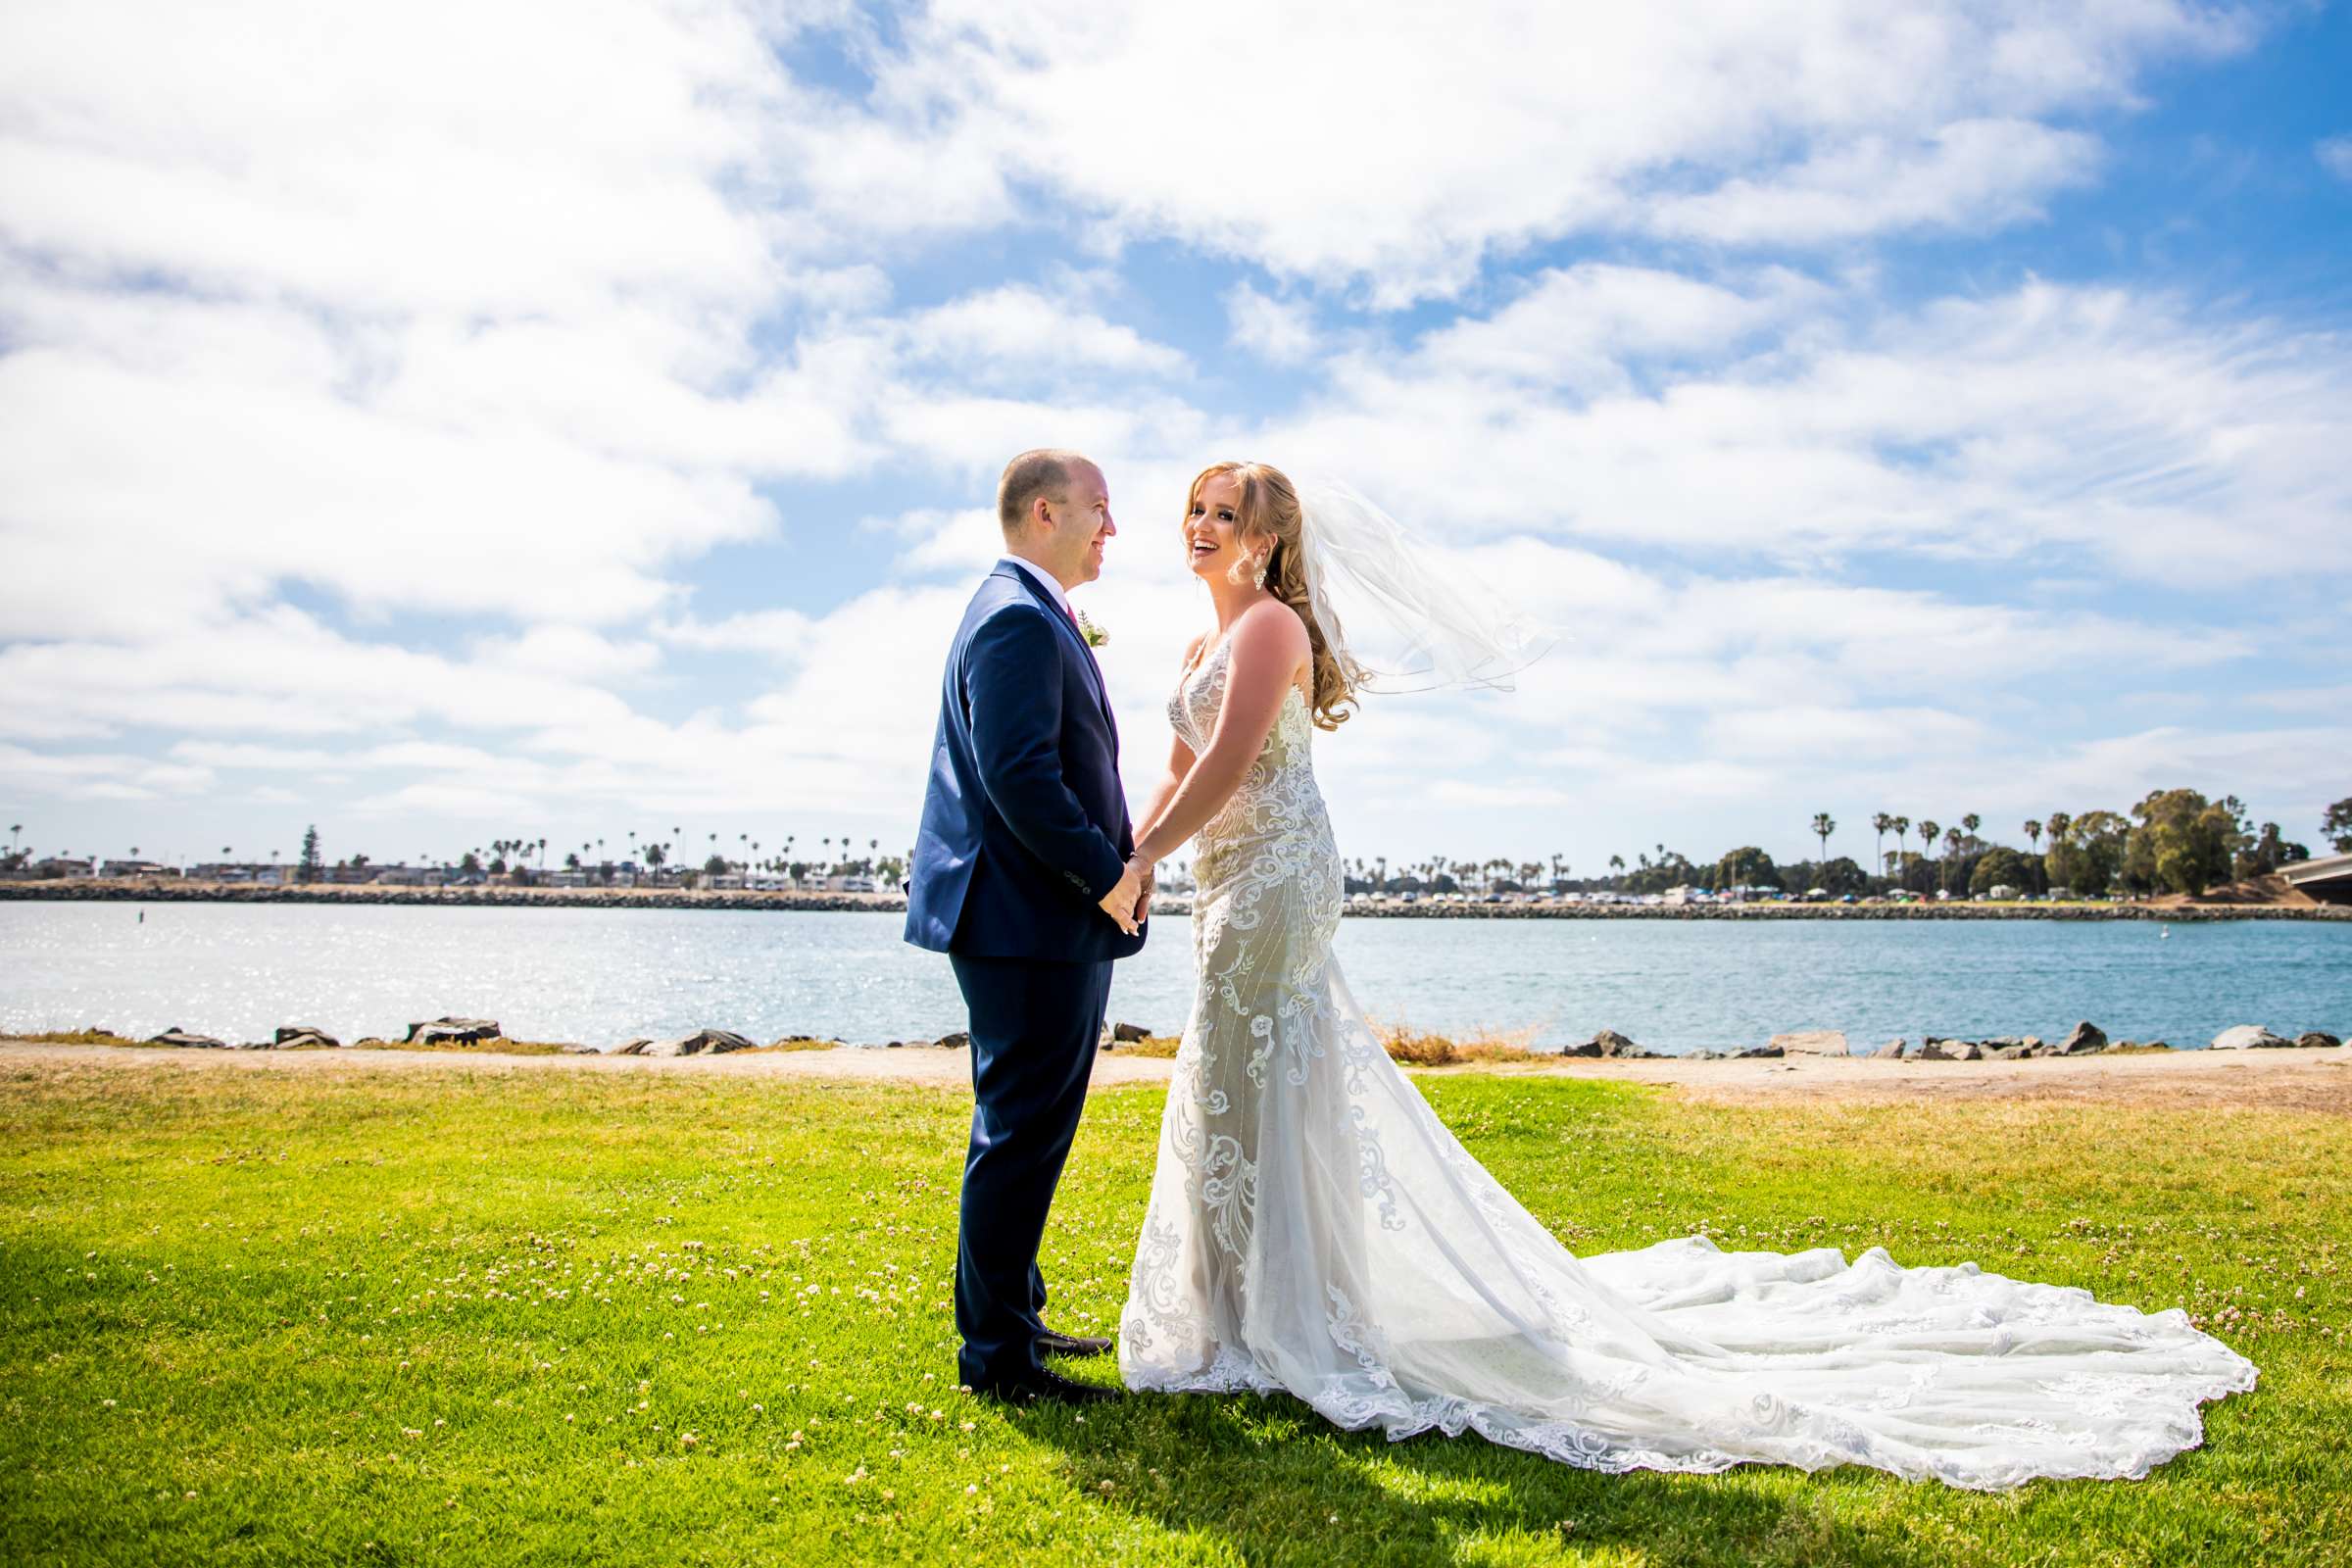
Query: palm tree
point(1879, 822)
point(2033, 834)
point(1970, 823)
point(1824, 825)
point(14, 828)
point(1927, 837)
point(1899, 826)
point(542, 852)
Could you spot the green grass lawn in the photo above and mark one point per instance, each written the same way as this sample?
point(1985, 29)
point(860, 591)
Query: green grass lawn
point(470, 1317)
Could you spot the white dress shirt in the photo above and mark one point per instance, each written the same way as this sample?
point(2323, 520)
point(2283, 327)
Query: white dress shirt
point(1046, 579)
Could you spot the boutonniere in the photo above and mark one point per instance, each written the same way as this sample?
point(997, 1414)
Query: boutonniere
point(1092, 635)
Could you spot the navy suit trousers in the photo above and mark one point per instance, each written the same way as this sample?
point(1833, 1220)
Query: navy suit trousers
point(1035, 1027)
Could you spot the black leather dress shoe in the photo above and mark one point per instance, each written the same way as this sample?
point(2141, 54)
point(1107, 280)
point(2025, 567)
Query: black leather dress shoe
point(1034, 1387)
point(1052, 1343)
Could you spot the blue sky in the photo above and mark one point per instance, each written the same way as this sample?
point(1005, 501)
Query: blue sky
point(442, 425)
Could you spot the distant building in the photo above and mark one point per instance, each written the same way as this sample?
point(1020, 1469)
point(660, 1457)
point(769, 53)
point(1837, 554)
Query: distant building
point(134, 869)
point(54, 868)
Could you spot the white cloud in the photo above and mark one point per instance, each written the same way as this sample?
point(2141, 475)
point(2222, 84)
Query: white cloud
point(1022, 330)
point(97, 775)
point(1277, 330)
point(2335, 154)
point(2048, 420)
point(1403, 154)
point(1982, 171)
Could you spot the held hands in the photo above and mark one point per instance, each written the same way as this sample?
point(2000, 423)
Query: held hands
point(1127, 903)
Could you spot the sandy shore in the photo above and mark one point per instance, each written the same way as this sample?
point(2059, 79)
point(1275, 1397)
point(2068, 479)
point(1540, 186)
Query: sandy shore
point(2285, 1080)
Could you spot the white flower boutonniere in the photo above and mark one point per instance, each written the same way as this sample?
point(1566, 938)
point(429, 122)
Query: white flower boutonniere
point(1094, 635)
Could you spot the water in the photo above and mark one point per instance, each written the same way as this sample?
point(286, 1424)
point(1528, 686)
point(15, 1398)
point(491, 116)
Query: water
point(603, 976)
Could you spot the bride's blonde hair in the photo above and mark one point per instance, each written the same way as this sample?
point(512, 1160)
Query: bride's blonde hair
point(1269, 511)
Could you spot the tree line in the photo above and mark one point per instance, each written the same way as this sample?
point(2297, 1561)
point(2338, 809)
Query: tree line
point(2174, 840)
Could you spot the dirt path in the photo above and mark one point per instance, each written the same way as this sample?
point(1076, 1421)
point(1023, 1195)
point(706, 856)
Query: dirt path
point(2288, 1080)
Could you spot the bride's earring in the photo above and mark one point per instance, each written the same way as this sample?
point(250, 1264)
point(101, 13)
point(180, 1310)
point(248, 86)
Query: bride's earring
point(1261, 571)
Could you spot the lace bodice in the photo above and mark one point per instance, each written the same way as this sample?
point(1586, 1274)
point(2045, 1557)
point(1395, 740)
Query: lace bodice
point(1316, 1227)
point(1278, 792)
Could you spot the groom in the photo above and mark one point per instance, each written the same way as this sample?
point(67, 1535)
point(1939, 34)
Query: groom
point(1024, 877)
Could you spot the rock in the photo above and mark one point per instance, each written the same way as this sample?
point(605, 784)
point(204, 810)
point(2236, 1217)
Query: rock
point(2317, 1040)
point(959, 1040)
point(452, 1031)
point(1892, 1050)
point(1753, 1052)
point(635, 1048)
point(257, 1045)
point(2083, 1039)
point(583, 1051)
point(2004, 1052)
point(297, 1031)
point(1932, 1048)
point(1128, 1034)
point(1606, 1043)
point(1812, 1042)
point(176, 1036)
point(2248, 1037)
point(1702, 1054)
point(702, 1042)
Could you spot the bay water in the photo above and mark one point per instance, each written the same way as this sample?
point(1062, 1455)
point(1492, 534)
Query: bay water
point(604, 976)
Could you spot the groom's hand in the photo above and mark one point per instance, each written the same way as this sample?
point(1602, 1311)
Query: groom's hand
point(1143, 899)
point(1120, 901)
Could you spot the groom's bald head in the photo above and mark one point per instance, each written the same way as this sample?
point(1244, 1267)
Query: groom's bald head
point(1044, 473)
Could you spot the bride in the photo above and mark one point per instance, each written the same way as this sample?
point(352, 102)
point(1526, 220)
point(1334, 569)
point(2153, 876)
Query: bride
point(1314, 1229)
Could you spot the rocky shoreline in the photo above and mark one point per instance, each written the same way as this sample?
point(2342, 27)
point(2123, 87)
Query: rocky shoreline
point(2085, 1039)
point(154, 891)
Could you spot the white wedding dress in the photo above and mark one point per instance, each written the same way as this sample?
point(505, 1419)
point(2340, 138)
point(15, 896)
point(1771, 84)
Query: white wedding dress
point(1314, 1229)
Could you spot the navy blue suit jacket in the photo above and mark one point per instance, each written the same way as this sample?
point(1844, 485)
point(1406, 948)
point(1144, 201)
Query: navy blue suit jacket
point(1025, 824)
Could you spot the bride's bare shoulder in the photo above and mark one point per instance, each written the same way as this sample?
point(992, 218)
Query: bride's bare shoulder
point(1272, 626)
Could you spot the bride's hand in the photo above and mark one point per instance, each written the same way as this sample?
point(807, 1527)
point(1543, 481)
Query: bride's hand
point(1120, 901)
